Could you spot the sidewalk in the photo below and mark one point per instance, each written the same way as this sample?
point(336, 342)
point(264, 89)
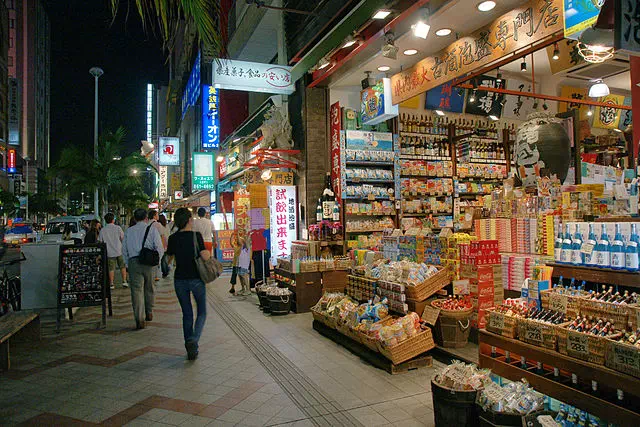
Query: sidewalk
point(253, 370)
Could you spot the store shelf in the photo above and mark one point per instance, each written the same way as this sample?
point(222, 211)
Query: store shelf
point(597, 275)
point(474, 179)
point(424, 157)
point(408, 196)
point(402, 133)
point(370, 181)
point(377, 230)
point(426, 176)
point(370, 214)
point(367, 163)
point(472, 194)
point(488, 161)
point(332, 243)
point(607, 378)
point(427, 213)
point(365, 198)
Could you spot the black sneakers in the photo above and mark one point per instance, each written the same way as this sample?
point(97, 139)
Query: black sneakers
point(192, 350)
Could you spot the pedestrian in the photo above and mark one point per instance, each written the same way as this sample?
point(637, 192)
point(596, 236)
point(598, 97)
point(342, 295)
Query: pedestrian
point(244, 264)
point(184, 246)
point(165, 237)
point(66, 232)
point(92, 234)
point(204, 226)
point(142, 234)
point(153, 219)
point(237, 248)
point(132, 222)
point(112, 236)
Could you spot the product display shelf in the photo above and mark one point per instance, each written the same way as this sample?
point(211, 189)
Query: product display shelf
point(368, 163)
point(599, 404)
point(427, 213)
point(424, 157)
point(370, 181)
point(597, 275)
point(375, 230)
point(403, 133)
point(306, 288)
point(366, 198)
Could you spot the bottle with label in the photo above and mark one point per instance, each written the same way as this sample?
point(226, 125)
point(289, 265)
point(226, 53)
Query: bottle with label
point(336, 211)
point(557, 248)
point(617, 250)
point(319, 211)
point(328, 199)
point(631, 250)
point(567, 247)
point(603, 256)
point(577, 257)
point(589, 247)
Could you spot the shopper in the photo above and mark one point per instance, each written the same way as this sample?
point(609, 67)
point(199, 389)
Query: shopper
point(66, 232)
point(204, 226)
point(237, 248)
point(141, 275)
point(244, 264)
point(184, 246)
point(164, 265)
point(112, 236)
point(153, 220)
point(92, 234)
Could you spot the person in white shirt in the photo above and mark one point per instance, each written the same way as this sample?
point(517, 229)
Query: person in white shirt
point(153, 217)
point(112, 236)
point(141, 275)
point(204, 226)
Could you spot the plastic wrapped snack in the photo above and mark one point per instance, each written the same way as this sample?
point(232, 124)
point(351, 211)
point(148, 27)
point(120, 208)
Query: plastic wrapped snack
point(512, 398)
point(460, 376)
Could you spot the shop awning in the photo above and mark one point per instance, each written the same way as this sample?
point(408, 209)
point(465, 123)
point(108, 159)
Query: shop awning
point(201, 198)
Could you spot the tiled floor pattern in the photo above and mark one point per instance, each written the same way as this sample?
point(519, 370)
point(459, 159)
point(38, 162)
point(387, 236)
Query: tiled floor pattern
point(118, 376)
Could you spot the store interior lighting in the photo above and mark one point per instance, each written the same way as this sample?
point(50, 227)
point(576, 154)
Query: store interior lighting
point(389, 49)
point(472, 98)
point(443, 32)
point(494, 117)
point(382, 14)
point(440, 112)
point(323, 63)
point(523, 65)
point(545, 107)
point(590, 112)
point(556, 52)
point(266, 175)
point(486, 6)
point(617, 130)
point(599, 88)
point(410, 52)
point(349, 41)
point(219, 159)
point(498, 76)
point(384, 68)
point(236, 139)
point(421, 29)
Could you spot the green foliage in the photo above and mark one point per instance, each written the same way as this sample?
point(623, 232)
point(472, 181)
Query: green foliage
point(8, 203)
point(42, 203)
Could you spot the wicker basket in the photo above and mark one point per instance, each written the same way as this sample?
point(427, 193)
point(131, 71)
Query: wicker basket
point(573, 302)
point(500, 324)
point(623, 358)
point(409, 348)
point(591, 348)
point(370, 341)
point(319, 316)
point(619, 314)
point(433, 284)
point(345, 330)
point(343, 264)
point(308, 267)
point(539, 333)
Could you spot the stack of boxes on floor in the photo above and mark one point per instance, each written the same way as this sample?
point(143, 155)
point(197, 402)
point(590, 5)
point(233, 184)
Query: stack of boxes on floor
point(480, 264)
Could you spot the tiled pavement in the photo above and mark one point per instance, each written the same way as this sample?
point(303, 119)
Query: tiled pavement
point(253, 370)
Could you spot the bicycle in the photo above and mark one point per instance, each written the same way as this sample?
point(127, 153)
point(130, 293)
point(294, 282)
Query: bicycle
point(10, 289)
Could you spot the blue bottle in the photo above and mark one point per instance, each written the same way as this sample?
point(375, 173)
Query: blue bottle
point(557, 247)
point(577, 257)
point(567, 247)
point(631, 250)
point(590, 247)
point(617, 250)
point(603, 256)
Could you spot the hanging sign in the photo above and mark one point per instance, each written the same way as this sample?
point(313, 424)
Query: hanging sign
point(335, 126)
point(518, 107)
point(375, 103)
point(252, 76)
point(608, 117)
point(512, 31)
point(370, 141)
point(169, 152)
point(178, 195)
point(574, 93)
point(580, 15)
point(444, 98)
point(485, 103)
point(163, 175)
point(202, 171)
point(11, 161)
point(242, 203)
point(192, 89)
point(210, 118)
point(283, 217)
point(627, 26)
point(626, 116)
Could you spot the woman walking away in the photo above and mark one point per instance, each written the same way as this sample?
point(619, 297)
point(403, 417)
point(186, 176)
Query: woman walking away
point(182, 246)
point(164, 265)
point(237, 248)
point(92, 234)
point(244, 264)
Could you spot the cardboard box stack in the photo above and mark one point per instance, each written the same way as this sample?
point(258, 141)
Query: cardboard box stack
point(480, 264)
point(450, 251)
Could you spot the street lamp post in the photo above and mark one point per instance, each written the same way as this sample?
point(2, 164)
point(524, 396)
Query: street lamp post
point(82, 207)
point(27, 160)
point(96, 72)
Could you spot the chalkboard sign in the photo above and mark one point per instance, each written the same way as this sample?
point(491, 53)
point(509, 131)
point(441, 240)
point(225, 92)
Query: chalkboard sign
point(83, 275)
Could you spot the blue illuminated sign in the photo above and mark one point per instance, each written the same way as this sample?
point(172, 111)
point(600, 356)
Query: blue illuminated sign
point(210, 118)
point(192, 90)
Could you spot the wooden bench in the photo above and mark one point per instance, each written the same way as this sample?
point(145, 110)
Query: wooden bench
point(18, 324)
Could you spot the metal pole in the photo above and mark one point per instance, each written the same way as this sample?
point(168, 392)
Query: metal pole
point(95, 144)
point(27, 192)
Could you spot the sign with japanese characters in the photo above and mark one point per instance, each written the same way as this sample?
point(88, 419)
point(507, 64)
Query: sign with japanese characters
point(202, 171)
point(580, 15)
point(518, 107)
point(375, 103)
point(210, 118)
point(627, 26)
point(163, 176)
point(241, 206)
point(252, 76)
point(608, 117)
point(192, 89)
point(11, 161)
point(277, 178)
point(512, 31)
point(574, 93)
point(169, 152)
point(284, 219)
point(364, 140)
point(485, 103)
point(444, 98)
point(626, 116)
point(13, 117)
point(335, 126)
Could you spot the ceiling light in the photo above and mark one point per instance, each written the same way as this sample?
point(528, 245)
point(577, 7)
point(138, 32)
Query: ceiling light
point(494, 118)
point(323, 63)
point(382, 14)
point(499, 77)
point(598, 89)
point(545, 107)
point(617, 130)
point(590, 112)
point(266, 175)
point(236, 139)
point(596, 45)
point(410, 52)
point(421, 29)
point(472, 98)
point(535, 104)
point(523, 65)
point(440, 112)
point(443, 32)
point(348, 42)
point(556, 52)
point(486, 6)
point(219, 159)
point(389, 49)
point(384, 68)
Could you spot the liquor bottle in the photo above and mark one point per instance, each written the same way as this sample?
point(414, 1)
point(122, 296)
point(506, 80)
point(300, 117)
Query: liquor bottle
point(590, 246)
point(557, 248)
point(422, 126)
point(319, 211)
point(631, 250)
point(336, 212)
point(401, 123)
point(567, 247)
point(328, 199)
point(617, 250)
point(577, 257)
point(603, 256)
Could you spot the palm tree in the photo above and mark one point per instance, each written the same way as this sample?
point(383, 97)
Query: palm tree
point(168, 17)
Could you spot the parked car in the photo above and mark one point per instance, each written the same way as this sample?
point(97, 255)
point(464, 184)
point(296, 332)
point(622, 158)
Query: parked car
point(18, 234)
point(55, 228)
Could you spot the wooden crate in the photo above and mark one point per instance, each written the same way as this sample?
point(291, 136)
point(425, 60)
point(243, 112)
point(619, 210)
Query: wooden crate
point(409, 348)
point(500, 324)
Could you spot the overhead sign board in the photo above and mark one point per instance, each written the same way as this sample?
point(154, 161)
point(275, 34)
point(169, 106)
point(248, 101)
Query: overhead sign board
point(512, 31)
point(192, 89)
point(627, 26)
point(13, 116)
point(169, 152)
point(210, 118)
point(202, 171)
point(375, 103)
point(252, 76)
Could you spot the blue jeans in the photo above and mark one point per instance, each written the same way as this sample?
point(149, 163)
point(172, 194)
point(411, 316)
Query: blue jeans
point(184, 288)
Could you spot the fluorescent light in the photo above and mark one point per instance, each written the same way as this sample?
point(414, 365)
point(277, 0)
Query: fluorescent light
point(494, 118)
point(384, 68)
point(598, 89)
point(556, 52)
point(410, 52)
point(236, 139)
point(219, 159)
point(348, 42)
point(443, 32)
point(590, 112)
point(439, 112)
point(382, 14)
point(323, 63)
point(486, 6)
point(421, 29)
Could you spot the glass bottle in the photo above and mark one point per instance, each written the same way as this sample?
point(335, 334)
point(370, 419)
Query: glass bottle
point(603, 254)
point(617, 250)
point(567, 247)
point(631, 250)
point(557, 248)
point(577, 257)
point(590, 247)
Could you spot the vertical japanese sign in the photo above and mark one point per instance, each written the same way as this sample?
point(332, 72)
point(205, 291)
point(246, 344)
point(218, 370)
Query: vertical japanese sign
point(336, 125)
point(627, 26)
point(608, 117)
point(163, 175)
point(486, 103)
point(202, 167)
point(210, 118)
point(13, 119)
point(11, 161)
point(284, 219)
point(169, 152)
point(192, 89)
point(574, 93)
point(242, 203)
point(445, 99)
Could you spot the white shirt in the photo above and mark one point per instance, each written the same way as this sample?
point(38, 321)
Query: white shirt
point(132, 244)
point(112, 235)
point(205, 227)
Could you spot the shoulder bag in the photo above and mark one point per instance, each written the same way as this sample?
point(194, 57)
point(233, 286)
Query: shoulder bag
point(208, 270)
point(148, 256)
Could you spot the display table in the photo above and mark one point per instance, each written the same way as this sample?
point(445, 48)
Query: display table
point(505, 361)
point(306, 288)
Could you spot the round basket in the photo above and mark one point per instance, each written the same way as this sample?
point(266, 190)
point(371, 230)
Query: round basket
point(452, 327)
point(279, 304)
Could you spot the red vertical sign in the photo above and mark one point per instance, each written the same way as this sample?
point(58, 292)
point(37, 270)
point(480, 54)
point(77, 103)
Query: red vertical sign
point(336, 125)
point(11, 161)
point(635, 101)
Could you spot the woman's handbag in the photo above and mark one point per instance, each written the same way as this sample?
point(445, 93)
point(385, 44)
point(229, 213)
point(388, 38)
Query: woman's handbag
point(208, 270)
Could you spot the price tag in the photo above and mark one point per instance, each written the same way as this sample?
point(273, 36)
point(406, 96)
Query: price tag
point(558, 302)
point(371, 197)
point(430, 315)
point(587, 248)
point(496, 320)
point(533, 332)
point(577, 344)
point(626, 357)
point(547, 421)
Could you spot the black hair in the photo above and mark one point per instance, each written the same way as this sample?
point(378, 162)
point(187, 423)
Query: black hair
point(181, 218)
point(152, 213)
point(109, 218)
point(202, 212)
point(140, 214)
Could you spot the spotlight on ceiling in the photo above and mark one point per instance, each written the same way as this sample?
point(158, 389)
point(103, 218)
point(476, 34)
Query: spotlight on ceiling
point(598, 88)
point(556, 52)
point(494, 118)
point(472, 98)
point(410, 52)
point(349, 41)
point(498, 76)
point(596, 45)
point(440, 112)
point(384, 68)
point(421, 29)
point(382, 14)
point(590, 112)
point(443, 32)
point(323, 63)
point(523, 65)
point(486, 6)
